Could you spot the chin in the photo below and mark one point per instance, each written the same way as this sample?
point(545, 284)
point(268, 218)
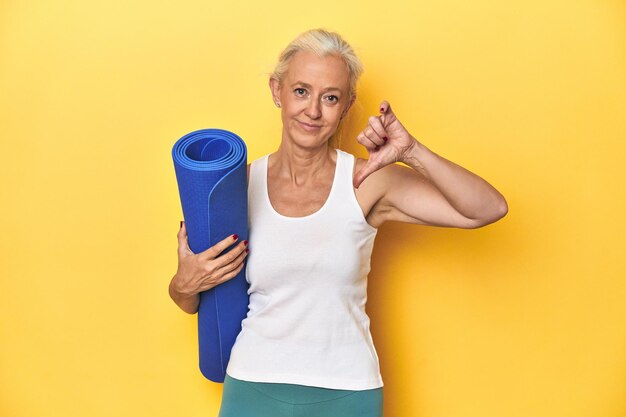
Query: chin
point(307, 139)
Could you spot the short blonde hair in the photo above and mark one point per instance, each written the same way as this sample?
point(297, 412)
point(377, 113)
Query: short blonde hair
point(322, 42)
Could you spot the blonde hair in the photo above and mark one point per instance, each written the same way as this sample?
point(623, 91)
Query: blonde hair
point(322, 42)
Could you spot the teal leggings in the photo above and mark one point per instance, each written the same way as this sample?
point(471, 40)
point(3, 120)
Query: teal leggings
point(265, 399)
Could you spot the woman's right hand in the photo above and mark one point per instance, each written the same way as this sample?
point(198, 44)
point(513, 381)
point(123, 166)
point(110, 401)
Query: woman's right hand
point(205, 270)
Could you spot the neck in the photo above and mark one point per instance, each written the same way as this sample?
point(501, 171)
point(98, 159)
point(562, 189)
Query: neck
point(301, 165)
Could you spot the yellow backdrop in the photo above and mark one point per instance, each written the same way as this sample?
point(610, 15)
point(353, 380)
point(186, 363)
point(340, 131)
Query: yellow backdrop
point(526, 317)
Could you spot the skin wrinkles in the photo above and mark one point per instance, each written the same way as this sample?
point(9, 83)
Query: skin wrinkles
point(314, 96)
point(313, 99)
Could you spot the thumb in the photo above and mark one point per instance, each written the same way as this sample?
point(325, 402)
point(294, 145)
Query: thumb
point(183, 243)
point(359, 177)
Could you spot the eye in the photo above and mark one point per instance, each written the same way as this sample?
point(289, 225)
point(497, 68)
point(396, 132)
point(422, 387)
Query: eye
point(300, 91)
point(333, 98)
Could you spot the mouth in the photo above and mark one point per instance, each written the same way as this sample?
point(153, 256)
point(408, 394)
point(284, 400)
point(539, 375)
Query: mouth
point(308, 127)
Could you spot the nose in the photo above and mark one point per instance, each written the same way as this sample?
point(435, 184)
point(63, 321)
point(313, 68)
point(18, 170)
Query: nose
point(313, 110)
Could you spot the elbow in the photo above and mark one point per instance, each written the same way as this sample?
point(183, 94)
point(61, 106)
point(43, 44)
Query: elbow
point(502, 208)
point(499, 210)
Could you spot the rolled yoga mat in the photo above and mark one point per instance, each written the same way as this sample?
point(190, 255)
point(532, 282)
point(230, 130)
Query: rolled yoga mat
point(211, 171)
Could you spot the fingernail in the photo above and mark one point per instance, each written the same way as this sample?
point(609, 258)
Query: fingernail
point(235, 237)
point(385, 139)
point(247, 250)
point(377, 148)
point(245, 242)
point(181, 224)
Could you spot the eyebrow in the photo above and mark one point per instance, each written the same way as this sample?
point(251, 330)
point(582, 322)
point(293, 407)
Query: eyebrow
point(302, 83)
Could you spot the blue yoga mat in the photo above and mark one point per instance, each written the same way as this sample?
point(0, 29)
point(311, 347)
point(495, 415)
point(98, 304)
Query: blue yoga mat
point(211, 171)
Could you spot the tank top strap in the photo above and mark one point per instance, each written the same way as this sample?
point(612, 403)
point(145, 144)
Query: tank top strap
point(256, 181)
point(344, 173)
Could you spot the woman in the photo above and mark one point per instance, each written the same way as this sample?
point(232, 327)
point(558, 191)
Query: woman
point(305, 347)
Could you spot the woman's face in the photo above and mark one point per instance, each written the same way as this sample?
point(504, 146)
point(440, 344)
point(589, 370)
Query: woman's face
point(313, 96)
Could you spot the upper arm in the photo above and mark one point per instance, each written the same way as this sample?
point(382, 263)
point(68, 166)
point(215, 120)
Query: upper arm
point(408, 196)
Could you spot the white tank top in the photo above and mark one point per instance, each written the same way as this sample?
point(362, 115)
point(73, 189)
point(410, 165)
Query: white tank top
point(306, 322)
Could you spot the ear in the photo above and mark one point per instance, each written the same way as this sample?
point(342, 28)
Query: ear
point(275, 89)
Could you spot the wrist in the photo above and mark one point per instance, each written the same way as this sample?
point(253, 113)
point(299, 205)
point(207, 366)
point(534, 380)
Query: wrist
point(414, 155)
point(187, 302)
point(175, 289)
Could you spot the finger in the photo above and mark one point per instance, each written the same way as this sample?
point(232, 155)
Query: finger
point(385, 107)
point(365, 141)
point(232, 265)
point(228, 257)
point(213, 282)
point(219, 247)
point(231, 256)
point(385, 112)
point(231, 274)
point(373, 136)
point(370, 166)
point(183, 243)
point(375, 131)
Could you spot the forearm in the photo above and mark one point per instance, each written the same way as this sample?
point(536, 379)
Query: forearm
point(468, 193)
point(188, 303)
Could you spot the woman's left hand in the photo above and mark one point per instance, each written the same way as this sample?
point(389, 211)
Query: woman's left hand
point(386, 140)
